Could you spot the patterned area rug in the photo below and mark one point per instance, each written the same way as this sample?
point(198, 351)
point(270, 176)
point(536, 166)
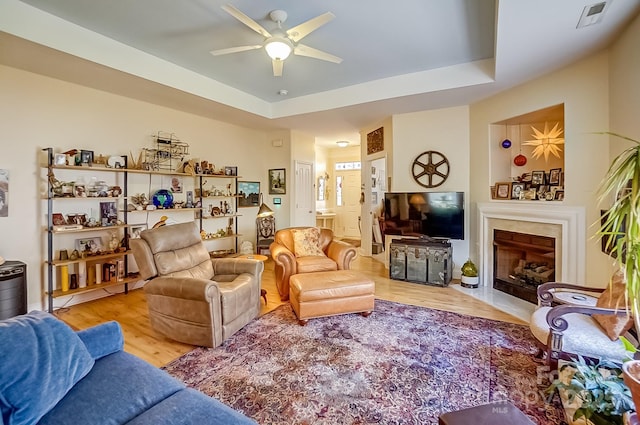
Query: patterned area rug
point(401, 365)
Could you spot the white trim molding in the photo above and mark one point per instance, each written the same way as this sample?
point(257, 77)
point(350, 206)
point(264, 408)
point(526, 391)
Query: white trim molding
point(525, 215)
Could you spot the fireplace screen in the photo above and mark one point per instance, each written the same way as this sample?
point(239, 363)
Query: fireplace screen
point(522, 262)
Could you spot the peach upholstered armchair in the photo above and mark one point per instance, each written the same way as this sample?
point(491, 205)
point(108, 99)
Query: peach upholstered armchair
point(192, 298)
point(307, 250)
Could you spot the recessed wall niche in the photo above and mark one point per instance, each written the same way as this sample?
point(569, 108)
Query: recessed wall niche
point(526, 156)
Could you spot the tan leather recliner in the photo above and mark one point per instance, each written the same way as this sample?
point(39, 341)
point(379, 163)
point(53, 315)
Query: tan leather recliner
point(339, 256)
point(192, 298)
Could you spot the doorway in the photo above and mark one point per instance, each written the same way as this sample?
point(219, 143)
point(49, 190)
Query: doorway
point(348, 204)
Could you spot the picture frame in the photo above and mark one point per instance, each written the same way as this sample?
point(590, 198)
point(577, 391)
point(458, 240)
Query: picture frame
point(530, 194)
point(537, 178)
point(136, 229)
point(503, 190)
point(79, 191)
point(277, 181)
point(57, 219)
point(230, 171)
point(517, 190)
point(554, 176)
point(277, 201)
point(108, 214)
point(176, 184)
point(60, 159)
point(248, 194)
point(86, 157)
point(89, 246)
point(559, 195)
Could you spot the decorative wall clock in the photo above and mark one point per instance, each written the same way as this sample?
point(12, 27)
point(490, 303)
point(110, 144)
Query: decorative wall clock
point(430, 169)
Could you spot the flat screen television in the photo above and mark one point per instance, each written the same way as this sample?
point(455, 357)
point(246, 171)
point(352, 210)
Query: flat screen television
point(432, 214)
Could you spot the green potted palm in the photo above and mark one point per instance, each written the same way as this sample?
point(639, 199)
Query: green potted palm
point(620, 229)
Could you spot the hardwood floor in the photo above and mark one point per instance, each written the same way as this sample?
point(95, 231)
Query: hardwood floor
point(131, 310)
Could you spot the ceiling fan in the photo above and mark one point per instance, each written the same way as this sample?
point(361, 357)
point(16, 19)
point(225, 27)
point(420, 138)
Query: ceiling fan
point(279, 43)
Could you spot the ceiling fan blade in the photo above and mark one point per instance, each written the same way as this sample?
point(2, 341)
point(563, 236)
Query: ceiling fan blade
point(246, 20)
point(304, 50)
point(298, 32)
point(277, 67)
point(228, 50)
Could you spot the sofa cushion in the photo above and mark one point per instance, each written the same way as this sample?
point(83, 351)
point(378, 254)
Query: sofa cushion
point(306, 242)
point(614, 297)
point(584, 336)
point(119, 388)
point(41, 359)
point(194, 408)
point(313, 264)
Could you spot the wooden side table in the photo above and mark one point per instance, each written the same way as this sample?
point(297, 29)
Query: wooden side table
point(498, 413)
point(257, 257)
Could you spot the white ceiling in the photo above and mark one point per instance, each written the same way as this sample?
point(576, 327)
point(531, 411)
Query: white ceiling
point(403, 57)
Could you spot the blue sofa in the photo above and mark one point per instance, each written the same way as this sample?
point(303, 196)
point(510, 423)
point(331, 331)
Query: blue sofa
point(50, 374)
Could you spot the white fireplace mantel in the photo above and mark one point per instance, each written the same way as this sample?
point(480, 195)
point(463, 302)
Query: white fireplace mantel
point(570, 219)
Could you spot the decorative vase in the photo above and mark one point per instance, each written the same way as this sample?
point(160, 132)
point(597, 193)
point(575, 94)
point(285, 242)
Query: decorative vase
point(631, 376)
point(469, 277)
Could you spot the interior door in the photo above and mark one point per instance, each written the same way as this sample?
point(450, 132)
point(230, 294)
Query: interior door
point(348, 206)
point(304, 211)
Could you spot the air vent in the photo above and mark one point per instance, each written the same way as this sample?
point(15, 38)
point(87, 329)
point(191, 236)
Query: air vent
point(592, 14)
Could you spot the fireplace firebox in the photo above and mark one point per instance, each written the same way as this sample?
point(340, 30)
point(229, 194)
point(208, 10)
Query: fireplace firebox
point(522, 262)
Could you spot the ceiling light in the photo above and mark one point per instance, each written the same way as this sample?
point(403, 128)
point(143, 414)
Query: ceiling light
point(278, 48)
point(343, 143)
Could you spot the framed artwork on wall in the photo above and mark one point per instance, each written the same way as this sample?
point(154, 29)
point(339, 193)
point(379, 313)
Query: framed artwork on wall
point(375, 141)
point(248, 194)
point(277, 181)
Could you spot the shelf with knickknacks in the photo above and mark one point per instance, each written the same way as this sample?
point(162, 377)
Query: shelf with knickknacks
point(86, 196)
point(106, 180)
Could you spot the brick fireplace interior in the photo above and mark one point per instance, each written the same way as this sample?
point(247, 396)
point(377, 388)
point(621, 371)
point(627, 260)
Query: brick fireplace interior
point(522, 262)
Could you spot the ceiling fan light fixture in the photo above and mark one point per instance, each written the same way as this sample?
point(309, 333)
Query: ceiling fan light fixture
point(342, 143)
point(278, 48)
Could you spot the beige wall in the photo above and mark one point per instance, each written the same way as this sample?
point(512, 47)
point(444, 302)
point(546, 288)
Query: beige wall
point(624, 86)
point(583, 89)
point(441, 130)
point(38, 112)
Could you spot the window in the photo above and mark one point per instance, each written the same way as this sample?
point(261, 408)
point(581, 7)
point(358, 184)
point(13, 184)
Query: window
point(348, 166)
point(338, 191)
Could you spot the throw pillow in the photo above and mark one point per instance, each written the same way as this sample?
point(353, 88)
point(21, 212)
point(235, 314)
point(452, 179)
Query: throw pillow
point(42, 359)
point(614, 297)
point(306, 242)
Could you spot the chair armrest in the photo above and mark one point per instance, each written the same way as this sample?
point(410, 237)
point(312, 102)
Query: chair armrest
point(187, 288)
point(558, 324)
point(546, 290)
point(236, 266)
point(282, 256)
point(342, 253)
point(103, 339)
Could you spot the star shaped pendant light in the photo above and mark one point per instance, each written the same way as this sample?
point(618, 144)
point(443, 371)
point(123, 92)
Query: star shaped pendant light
point(546, 142)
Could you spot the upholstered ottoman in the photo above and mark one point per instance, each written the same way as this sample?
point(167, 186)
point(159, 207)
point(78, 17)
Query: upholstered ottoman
point(329, 293)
